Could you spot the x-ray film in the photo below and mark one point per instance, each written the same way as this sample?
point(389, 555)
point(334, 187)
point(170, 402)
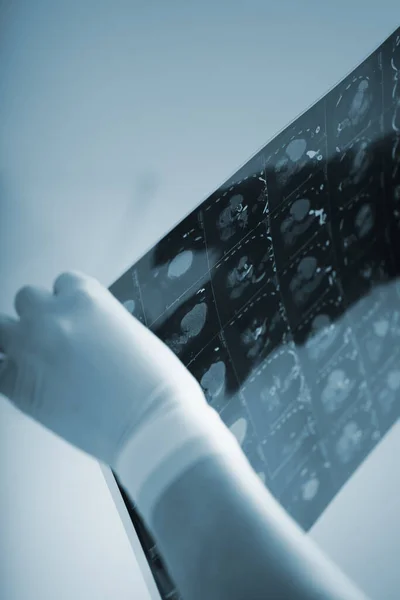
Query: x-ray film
point(279, 292)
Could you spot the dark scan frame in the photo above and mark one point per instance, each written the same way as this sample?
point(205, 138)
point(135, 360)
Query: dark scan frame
point(279, 294)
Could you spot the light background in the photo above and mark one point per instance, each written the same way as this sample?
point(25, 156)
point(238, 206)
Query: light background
point(117, 117)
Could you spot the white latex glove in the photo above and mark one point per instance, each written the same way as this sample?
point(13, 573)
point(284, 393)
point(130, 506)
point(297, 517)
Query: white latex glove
point(80, 364)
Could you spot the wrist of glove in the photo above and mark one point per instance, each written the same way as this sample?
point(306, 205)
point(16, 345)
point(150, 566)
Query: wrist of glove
point(169, 443)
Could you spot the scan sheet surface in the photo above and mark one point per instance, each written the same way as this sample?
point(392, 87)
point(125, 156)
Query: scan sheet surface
point(279, 293)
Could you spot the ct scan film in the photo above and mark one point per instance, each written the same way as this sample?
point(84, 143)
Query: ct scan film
point(279, 294)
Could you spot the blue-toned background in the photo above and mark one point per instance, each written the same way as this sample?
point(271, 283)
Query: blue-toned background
point(116, 119)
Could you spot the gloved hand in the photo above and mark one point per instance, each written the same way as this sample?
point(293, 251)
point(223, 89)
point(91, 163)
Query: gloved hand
point(80, 364)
